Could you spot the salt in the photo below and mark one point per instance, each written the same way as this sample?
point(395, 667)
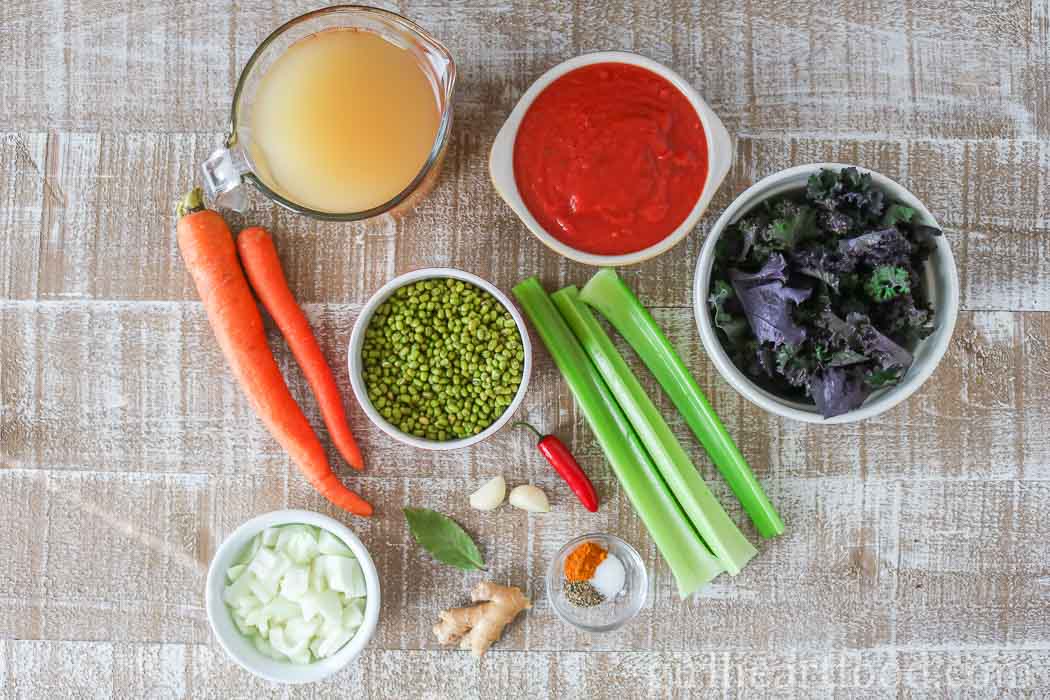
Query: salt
point(609, 577)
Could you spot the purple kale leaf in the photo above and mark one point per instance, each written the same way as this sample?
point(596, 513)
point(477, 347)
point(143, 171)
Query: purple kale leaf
point(736, 244)
point(768, 303)
point(835, 222)
point(837, 391)
point(858, 334)
point(775, 268)
point(869, 204)
point(822, 264)
point(886, 246)
point(839, 333)
point(844, 358)
point(850, 193)
point(877, 345)
point(904, 321)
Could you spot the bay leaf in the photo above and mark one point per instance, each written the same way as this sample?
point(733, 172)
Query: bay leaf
point(443, 538)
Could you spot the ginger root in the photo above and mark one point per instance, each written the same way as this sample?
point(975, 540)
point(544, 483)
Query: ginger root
point(478, 626)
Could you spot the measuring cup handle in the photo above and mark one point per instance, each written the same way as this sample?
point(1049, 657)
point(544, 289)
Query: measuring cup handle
point(224, 172)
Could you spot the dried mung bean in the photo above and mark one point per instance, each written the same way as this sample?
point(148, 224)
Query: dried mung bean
point(442, 359)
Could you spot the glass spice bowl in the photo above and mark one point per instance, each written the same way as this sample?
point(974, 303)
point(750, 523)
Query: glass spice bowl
point(612, 613)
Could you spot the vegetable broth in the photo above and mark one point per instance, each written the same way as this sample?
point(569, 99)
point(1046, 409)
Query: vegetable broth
point(343, 121)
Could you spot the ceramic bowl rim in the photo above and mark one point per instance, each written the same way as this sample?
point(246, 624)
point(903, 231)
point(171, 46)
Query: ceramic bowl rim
point(501, 158)
point(356, 369)
point(942, 276)
point(238, 648)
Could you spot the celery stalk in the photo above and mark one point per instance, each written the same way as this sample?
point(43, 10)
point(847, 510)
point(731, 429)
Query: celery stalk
point(608, 293)
point(707, 515)
point(690, 562)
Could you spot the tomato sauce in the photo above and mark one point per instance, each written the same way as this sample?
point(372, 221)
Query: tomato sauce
point(610, 158)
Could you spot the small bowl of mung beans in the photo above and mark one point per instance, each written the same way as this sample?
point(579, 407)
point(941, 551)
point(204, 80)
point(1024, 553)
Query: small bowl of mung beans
point(439, 358)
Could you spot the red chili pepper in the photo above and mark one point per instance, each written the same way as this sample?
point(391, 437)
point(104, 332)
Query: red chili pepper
point(559, 457)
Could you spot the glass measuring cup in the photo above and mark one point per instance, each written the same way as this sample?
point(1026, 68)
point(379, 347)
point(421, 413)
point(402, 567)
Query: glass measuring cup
point(228, 169)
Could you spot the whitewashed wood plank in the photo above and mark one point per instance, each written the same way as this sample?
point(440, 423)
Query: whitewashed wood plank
point(122, 413)
point(174, 671)
point(108, 229)
point(42, 669)
point(988, 195)
point(142, 386)
point(115, 226)
point(972, 672)
point(126, 556)
point(969, 73)
point(970, 568)
point(23, 549)
point(23, 191)
point(895, 67)
point(862, 565)
point(35, 76)
point(127, 65)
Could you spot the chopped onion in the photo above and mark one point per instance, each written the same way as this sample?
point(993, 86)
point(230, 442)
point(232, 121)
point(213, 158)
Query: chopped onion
point(327, 543)
point(234, 572)
point(297, 593)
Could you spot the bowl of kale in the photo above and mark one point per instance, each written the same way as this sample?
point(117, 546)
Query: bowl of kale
point(826, 293)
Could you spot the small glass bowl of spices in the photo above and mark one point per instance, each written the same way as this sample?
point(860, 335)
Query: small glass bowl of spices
point(439, 358)
point(597, 582)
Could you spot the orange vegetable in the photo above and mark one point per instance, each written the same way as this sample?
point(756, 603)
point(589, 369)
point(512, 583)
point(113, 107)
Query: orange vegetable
point(210, 254)
point(259, 257)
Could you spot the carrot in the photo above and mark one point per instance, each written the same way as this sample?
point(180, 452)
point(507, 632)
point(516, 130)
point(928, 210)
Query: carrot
point(211, 256)
point(259, 257)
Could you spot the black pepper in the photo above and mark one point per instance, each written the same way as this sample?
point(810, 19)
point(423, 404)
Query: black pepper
point(582, 594)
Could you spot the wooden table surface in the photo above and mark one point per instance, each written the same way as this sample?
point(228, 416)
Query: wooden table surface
point(916, 558)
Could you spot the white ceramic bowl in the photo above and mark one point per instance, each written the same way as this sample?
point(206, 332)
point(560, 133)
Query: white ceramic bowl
point(942, 281)
point(357, 340)
point(239, 648)
point(501, 159)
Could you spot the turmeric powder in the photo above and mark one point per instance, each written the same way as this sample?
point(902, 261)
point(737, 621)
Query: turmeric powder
point(582, 561)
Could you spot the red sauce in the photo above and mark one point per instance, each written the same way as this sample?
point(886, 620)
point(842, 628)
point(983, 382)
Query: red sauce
point(610, 158)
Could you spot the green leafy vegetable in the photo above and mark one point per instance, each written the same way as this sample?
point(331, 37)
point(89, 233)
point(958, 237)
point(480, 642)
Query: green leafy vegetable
point(897, 213)
point(883, 377)
point(795, 367)
point(705, 512)
point(887, 282)
point(608, 293)
point(734, 326)
point(691, 564)
point(791, 225)
point(830, 282)
point(443, 538)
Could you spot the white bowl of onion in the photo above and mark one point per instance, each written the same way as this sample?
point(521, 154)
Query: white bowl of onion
point(292, 596)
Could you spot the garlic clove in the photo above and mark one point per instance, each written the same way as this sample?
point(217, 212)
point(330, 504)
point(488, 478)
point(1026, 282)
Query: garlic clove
point(530, 498)
point(490, 495)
